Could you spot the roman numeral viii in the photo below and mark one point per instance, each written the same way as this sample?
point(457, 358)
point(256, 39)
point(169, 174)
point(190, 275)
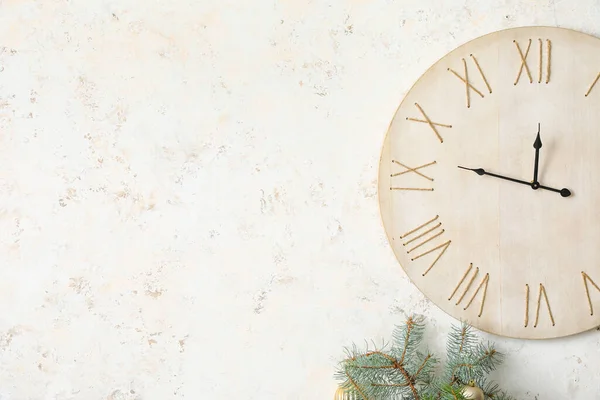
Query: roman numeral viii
point(481, 287)
point(541, 61)
point(426, 239)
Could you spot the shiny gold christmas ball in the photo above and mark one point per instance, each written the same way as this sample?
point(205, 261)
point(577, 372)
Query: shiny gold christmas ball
point(341, 394)
point(473, 393)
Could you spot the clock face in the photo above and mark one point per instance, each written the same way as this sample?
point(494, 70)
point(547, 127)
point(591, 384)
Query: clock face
point(509, 248)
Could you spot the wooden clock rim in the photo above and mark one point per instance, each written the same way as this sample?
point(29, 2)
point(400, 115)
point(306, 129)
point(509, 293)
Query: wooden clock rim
point(417, 81)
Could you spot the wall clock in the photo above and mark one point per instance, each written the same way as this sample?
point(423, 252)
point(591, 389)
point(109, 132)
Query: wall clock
point(489, 182)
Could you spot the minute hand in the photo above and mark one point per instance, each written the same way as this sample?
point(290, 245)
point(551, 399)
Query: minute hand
point(481, 171)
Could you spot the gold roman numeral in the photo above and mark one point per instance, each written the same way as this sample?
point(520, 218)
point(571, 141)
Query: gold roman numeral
point(428, 121)
point(586, 279)
point(482, 284)
point(468, 85)
point(540, 71)
point(541, 291)
point(414, 170)
point(426, 235)
point(592, 85)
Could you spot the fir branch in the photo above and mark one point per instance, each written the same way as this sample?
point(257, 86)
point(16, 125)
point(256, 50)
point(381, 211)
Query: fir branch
point(410, 381)
point(450, 392)
point(488, 360)
point(422, 366)
point(461, 374)
point(371, 353)
point(461, 340)
point(408, 373)
point(356, 387)
point(492, 390)
point(377, 361)
point(409, 327)
point(390, 384)
point(463, 334)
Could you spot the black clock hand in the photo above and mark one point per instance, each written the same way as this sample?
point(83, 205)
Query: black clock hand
point(537, 145)
point(480, 171)
point(564, 192)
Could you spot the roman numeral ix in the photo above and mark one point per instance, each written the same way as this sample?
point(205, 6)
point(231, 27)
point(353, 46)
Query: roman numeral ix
point(428, 234)
point(414, 170)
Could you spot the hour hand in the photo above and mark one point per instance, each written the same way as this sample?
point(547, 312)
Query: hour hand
point(537, 145)
point(481, 171)
point(478, 171)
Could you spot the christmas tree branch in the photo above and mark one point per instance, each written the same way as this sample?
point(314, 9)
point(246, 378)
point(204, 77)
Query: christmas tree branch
point(390, 384)
point(404, 371)
point(451, 392)
point(463, 335)
point(358, 389)
point(410, 380)
point(456, 367)
point(409, 326)
point(422, 365)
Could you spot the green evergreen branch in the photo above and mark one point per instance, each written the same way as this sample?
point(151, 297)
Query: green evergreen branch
point(409, 327)
point(463, 334)
point(423, 365)
point(409, 380)
point(356, 387)
point(451, 392)
point(405, 372)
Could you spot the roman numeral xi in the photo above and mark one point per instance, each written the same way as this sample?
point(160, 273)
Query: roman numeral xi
point(465, 78)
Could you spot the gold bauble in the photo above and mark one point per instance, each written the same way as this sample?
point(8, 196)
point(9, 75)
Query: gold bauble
point(473, 393)
point(341, 394)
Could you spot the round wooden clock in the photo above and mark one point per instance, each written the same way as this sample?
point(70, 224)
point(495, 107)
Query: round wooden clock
point(489, 182)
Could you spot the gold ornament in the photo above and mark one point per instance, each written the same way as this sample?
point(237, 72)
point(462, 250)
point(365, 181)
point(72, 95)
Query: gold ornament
point(341, 394)
point(472, 392)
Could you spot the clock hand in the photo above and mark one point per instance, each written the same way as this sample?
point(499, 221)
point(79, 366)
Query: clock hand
point(537, 145)
point(481, 171)
point(564, 192)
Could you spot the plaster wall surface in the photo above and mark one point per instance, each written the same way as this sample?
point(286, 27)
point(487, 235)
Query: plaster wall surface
point(188, 203)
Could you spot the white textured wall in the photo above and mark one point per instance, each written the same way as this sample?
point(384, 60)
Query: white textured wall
point(188, 198)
